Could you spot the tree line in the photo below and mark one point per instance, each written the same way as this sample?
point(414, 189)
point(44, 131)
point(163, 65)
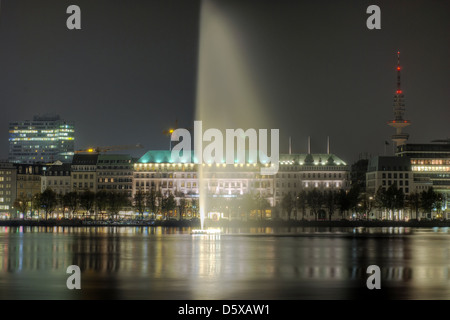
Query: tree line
point(72, 204)
point(322, 204)
point(391, 200)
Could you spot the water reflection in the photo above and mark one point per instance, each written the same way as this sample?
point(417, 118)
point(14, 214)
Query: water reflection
point(253, 263)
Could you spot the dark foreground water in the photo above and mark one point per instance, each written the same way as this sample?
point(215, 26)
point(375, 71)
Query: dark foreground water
point(169, 263)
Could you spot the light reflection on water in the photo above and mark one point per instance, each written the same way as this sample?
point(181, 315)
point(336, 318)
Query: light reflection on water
point(246, 263)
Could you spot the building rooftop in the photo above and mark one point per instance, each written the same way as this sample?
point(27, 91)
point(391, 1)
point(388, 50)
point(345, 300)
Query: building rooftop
point(85, 159)
point(164, 156)
point(389, 163)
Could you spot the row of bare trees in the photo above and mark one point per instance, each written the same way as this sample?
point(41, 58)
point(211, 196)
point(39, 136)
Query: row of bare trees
point(106, 204)
point(88, 203)
point(155, 202)
point(362, 204)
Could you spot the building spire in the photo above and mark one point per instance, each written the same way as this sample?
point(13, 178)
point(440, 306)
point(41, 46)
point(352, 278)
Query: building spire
point(399, 88)
point(399, 138)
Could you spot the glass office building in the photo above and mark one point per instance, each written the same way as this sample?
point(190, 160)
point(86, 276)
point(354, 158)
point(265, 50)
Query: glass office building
point(45, 139)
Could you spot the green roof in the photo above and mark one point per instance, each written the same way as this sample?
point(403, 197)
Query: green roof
point(164, 156)
point(313, 158)
point(159, 156)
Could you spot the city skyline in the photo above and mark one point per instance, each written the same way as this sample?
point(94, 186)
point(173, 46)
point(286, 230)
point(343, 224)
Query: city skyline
point(218, 153)
point(124, 83)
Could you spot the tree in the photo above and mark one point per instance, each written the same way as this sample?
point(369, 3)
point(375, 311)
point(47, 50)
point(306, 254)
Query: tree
point(247, 204)
point(116, 202)
point(261, 204)
point(22, 205)
point(71, 201)
point(367, 204)
point(381, 200)
point(151, 201)
point(394, 199)
point(430, 200)
point(315, 201)
point(47, 201)
point(194, 205)
point(343, 202)
point(330, 200)
point(399, 200)
point(87, 201)
point(159, 198)
point(168, 203)
point(353, 197)
point(287, 204)
point(139, 203)
point(301, 202)
point(182, 204)
point(101, 201)
point(414, 203)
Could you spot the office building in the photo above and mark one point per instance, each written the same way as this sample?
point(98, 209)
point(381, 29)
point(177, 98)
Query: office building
point(115, 173)
point(8, 189)
point(430, 164)
point(45, 139)
point(84, 172)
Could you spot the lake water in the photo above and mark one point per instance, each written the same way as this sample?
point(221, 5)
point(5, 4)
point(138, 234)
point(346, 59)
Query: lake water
point(260, 263)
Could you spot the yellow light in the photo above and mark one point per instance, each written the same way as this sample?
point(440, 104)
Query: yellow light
point(171, 131)
point(90, 150)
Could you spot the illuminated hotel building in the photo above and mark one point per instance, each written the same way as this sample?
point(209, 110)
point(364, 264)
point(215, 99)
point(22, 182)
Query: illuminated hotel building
point(156, 171)
point(430, 164)
point(44, 139)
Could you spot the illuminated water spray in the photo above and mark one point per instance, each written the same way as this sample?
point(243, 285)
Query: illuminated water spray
point(227, 95)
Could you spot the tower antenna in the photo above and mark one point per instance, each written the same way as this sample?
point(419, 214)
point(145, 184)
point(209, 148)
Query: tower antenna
point(399, 138)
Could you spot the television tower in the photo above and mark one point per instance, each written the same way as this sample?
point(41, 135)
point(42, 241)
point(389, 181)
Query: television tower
point(399, 138)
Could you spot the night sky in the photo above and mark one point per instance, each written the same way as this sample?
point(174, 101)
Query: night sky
point(131, 70)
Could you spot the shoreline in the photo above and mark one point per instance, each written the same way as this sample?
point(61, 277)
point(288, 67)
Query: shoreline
point(229, 224)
